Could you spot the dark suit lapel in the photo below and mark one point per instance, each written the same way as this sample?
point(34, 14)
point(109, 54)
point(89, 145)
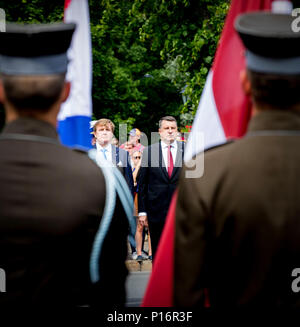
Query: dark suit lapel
point(179, 157)
point(162, 164)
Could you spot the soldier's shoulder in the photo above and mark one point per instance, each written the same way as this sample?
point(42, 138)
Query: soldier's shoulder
point(220, 147)
point(215, 149)
point(81, 159)
point(85, 168)
point(79, 154)
point(80, 150)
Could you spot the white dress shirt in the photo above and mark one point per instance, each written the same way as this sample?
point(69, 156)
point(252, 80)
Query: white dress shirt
point(164, 150)
point(108, 152)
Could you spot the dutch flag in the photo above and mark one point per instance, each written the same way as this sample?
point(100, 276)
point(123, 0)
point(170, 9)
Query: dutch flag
point(75, 114)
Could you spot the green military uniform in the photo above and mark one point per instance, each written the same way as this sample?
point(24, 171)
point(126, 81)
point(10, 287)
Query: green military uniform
point(52, 199)
point(237, 227)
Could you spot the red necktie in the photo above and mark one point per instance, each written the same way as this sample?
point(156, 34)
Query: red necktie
point(170, 161)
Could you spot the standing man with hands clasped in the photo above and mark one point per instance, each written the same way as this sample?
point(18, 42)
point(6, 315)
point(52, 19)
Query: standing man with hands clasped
point(158, 177)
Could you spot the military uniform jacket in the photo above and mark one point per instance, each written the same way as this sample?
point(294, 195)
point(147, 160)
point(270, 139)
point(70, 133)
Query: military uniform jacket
point(238, 226)
point(51, 203)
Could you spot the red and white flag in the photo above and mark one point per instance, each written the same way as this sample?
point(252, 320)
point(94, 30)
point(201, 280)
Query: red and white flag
point(223, 113)
point(224, 110)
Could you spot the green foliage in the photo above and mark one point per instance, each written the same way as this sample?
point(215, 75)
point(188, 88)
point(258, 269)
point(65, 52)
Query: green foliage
point(145, 52)
point(172, 42)
point(33, 11)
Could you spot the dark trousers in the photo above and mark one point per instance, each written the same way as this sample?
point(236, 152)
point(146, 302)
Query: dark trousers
point(156, 229)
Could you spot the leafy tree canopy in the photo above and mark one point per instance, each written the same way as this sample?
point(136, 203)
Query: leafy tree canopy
point(150, 57)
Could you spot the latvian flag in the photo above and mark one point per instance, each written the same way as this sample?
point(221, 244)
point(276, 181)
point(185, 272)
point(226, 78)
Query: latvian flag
point(223, 113)
point(75, 113)
point(224, 110)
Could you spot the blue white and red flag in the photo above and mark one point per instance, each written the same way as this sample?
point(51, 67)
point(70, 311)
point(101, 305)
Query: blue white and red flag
point(75, 114)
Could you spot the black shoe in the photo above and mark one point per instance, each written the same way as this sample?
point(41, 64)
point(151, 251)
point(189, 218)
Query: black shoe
point(139, 258)
point(150, 257)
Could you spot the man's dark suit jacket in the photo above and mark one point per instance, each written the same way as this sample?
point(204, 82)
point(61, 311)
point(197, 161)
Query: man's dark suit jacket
point(155, 186)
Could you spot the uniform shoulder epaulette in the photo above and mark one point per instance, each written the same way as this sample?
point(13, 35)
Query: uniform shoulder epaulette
point(229, 141)
point(80, 149)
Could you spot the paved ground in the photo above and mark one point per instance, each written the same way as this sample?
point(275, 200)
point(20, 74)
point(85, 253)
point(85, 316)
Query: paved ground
point(135, 286)
point(137, 279)
point(133, 265)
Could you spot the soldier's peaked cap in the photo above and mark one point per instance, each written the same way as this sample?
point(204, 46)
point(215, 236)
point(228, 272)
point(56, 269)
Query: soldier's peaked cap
point(272, 44)
point(35, 49)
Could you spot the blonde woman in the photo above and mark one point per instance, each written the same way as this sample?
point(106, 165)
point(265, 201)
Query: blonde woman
point(136, 163)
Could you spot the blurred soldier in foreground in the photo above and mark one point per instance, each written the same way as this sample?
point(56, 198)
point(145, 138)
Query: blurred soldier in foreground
point(237, 227)
point(51, 197)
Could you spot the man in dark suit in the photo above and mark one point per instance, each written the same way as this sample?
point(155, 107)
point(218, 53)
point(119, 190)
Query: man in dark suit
point(237, 239)
point(158, 177)
point(103, 130)
point(51, 197)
